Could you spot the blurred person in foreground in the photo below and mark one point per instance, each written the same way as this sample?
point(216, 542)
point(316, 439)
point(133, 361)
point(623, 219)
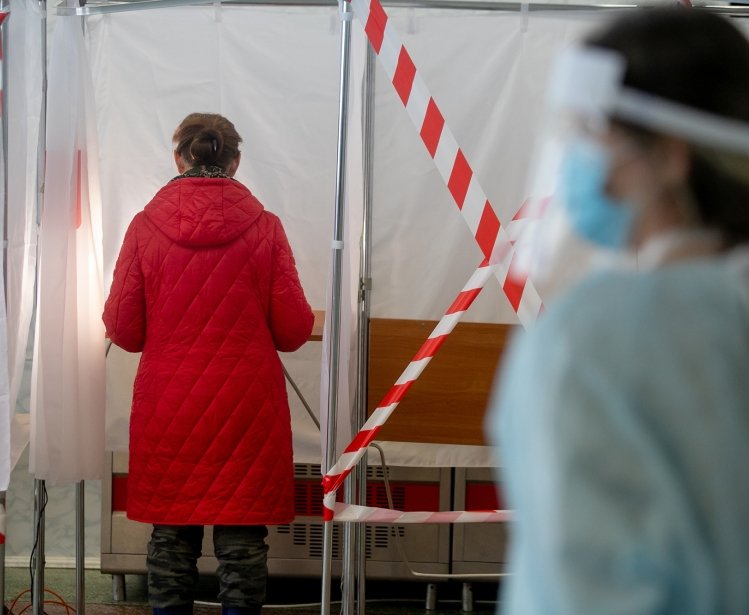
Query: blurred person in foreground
point(206, 287)
point(622, 415)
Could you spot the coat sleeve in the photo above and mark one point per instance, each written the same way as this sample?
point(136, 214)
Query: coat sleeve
point(290, 316)
point(125, 310)
point(590, 533)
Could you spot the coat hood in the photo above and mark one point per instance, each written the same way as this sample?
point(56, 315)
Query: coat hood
point(199, 211)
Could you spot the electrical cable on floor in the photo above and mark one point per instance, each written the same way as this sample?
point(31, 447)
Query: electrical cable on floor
point(32, 573)
point(69, 609)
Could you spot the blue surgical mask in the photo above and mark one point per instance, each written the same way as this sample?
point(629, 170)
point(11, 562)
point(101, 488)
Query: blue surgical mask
point(582, 185)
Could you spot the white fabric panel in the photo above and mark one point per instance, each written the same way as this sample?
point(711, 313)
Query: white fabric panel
point(67, 423)
point(23, 101)
point(274, 72)
point(120, 376)
point(487, 73)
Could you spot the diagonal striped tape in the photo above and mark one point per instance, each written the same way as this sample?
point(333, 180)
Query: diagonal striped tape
point(355, 450)
point(449, 158)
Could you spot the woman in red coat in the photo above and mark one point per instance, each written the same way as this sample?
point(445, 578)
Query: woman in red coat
point(206, 288)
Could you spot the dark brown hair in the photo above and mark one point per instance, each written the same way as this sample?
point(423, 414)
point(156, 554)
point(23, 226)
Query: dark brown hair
point(207, 139)
point(696, 58)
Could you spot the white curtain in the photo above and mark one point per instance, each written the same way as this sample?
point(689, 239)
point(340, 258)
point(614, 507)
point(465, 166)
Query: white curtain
point(487, 72)
point(274, 72)
point(23, 103)
point(67, 424)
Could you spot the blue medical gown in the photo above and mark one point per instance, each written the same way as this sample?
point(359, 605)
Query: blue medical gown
point(622, 419)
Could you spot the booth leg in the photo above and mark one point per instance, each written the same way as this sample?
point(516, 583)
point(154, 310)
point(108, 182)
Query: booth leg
point(119, 594)
point(431, 602)
point(2, 550)
point(38, 561)
point(467, 598)
point(80, 549)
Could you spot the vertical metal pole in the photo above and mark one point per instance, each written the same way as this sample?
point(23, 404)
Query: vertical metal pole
point(431, 601)
point(37, 595)
point(365, 289)
point(37, 598)
point(4, 36)
point(355, 537)
point(5, 81)
point(348, 560)
point(80, 499)
point(467, 598)
point(80, 549)
point(335, 307)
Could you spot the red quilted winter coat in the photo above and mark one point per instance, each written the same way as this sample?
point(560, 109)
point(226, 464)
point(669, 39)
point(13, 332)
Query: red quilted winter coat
point(206, 287)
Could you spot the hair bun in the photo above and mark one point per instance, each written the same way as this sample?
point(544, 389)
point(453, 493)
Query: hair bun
point(215, 139)
point(206, 147)
point(207, 139)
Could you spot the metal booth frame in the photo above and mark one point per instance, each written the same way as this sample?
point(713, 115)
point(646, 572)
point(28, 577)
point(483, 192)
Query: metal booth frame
point(353, 586)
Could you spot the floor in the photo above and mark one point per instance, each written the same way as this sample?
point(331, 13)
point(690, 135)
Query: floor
point(285, 596)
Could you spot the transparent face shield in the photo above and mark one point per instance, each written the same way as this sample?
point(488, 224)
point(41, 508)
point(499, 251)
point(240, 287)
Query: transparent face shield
point(572, 226)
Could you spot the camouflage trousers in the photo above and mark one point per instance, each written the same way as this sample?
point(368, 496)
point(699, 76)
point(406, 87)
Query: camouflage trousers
point(242, 572)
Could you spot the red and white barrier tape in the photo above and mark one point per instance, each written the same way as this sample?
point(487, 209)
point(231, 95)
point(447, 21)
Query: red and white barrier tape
point(450, 160)
point(353, 453)
point(482, 220)
point(366, 514)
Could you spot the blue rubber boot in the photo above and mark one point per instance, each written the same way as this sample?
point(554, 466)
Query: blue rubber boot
point(240, 610)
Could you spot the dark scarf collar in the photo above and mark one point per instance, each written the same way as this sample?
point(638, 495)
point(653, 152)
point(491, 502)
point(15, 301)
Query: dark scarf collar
point(204, 171)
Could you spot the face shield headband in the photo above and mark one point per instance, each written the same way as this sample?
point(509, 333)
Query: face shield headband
point(587, 81)
point(566, 191)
